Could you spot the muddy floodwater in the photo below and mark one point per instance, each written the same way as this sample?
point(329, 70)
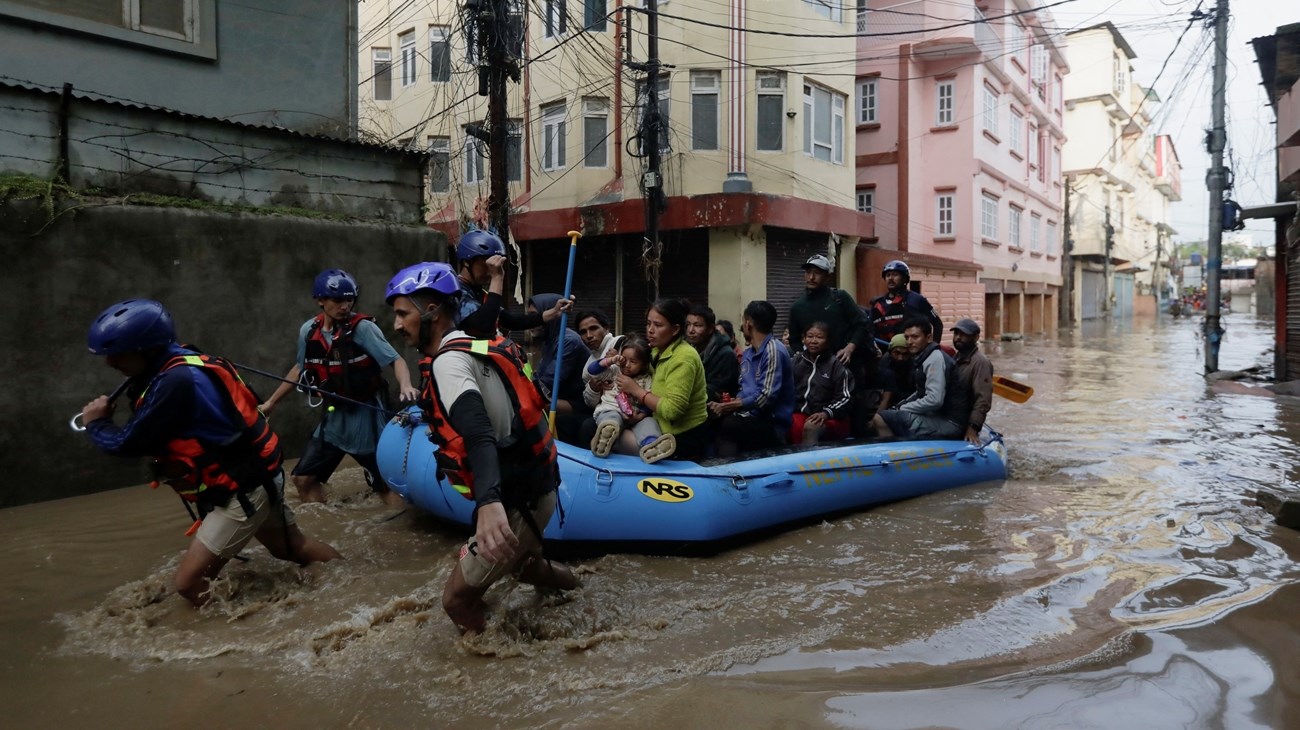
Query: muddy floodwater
point(1122, 578)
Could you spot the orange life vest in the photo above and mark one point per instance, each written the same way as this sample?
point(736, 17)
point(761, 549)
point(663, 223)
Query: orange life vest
point(209, 474)
point(339, 365)
point(530, 428)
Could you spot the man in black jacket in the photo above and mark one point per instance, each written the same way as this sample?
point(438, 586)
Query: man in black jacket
point(721, 368)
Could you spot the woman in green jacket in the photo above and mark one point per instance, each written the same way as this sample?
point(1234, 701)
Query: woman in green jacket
point(677, 394)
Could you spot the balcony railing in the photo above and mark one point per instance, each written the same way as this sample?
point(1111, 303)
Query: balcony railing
point(862, 21)
point(988, 40)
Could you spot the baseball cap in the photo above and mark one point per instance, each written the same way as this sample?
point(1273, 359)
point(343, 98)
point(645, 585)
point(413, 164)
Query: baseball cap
point(967, 326)
point(898, 342)
point(820, 262)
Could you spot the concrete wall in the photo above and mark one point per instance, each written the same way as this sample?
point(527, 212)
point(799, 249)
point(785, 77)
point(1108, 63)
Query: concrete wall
point(120, 149)
point(238, 285)
point(287, 63)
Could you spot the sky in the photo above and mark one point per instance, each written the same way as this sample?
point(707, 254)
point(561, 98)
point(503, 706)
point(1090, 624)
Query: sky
point(1152, 28)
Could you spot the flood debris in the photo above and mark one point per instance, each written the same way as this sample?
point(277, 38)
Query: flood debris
point(1285, 508)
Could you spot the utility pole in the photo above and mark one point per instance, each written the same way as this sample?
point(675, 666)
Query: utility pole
point(1067, 264)
point(1215, 180)
point(1110, 241)
point(497, 61)
point(650, 131)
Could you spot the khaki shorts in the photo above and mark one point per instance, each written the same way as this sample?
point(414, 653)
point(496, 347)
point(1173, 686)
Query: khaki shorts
point(479, 572)
point(226, 530)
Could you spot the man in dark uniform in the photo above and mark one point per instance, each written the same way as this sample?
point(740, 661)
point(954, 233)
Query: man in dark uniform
point(887, 312)
point(200, 423)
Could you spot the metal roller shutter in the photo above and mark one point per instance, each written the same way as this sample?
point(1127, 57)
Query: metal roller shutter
point(1293, 310)
point(593, 271)
point(787, 251)
point(1094, 294)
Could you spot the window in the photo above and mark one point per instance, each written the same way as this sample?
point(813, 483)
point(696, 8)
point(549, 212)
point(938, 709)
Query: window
point(406, 44)
point(1120, 69)
point(439, 53)
point(989, 217)
point(867, 101)
point(553, 137)
point(177, 19)
point(1041, 155)
point(704, 109)
point(862, 16)
point(1033, 145)
point(1056, 165)
point(866, 200)
point(439, 167)
point(1114, 142)
point(943, 208)
point(944, 93)
point(593, 15)
point(990, 111)
point(1013, 225)
point(831, 9)
point(1017, 132)
point(515, 151)
point(1035, 223)
point(473, 160)
point(557, 18)
point(771, 111)
point(595, 134)
point(1051, 237)
point(381, 64)
point(823, 124)
point(1038, 69)
point(1015, 40)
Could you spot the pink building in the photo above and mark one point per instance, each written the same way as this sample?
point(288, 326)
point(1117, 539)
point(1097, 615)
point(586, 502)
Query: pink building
point(958, 113)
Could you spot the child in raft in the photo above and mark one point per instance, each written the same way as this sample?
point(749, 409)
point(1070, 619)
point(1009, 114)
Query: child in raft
point(823, 390)
point(620, 425)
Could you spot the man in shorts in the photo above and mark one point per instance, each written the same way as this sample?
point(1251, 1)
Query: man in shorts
point(198, 420)
point(494, 447)
point(343, 351)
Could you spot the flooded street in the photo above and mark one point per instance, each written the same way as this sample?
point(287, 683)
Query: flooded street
point(1122, 578)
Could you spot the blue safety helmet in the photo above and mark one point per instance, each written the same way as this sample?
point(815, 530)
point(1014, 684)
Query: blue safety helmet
point(477, 243)
point(433, 276)
point(898, 266)
point(132, 325)
point(334, 284)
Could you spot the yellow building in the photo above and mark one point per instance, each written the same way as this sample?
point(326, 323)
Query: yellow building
point(759, 165)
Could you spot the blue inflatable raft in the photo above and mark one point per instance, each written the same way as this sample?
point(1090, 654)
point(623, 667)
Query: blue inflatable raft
point(620, 504)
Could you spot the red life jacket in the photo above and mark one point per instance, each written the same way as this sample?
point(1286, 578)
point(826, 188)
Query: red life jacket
point(530, 428)
point(209, 474)
point(339, 365)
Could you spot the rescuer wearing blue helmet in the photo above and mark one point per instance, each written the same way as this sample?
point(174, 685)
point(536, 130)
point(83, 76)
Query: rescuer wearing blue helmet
point(196, 418)
point(489, 422)
point(481, 262)
point(344, 352)
point(887, 312)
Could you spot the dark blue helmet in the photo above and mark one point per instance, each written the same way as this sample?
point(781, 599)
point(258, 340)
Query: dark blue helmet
point(132, 325)
point(476, 244)
point(898, 266)
point(432, 276)
point(334, 284)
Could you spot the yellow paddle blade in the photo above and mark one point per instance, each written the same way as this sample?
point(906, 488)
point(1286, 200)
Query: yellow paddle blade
point(1012, 390)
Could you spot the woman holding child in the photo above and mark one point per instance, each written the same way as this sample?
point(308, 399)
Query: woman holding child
point(677, 395)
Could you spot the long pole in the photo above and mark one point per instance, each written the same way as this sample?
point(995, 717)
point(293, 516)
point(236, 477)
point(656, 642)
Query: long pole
point(564, 323)
point(653, 181)
point(1215, 180)
point(498, 56)
point(1067, 264)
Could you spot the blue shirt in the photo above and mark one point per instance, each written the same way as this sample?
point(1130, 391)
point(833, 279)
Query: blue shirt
point(352, 428)
point(183, 402)
point(766, 383)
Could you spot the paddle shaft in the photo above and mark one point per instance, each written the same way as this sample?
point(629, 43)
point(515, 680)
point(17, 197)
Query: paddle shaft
point(564, 322)
point(117, 393)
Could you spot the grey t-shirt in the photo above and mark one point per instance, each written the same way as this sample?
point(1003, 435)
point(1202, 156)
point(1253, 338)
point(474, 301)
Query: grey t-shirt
point(454, 373)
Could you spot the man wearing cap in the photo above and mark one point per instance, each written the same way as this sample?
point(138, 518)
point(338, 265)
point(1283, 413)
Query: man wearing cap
point(937, 409)
point(895, 373)
point(974, 376)
point(835, 307)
